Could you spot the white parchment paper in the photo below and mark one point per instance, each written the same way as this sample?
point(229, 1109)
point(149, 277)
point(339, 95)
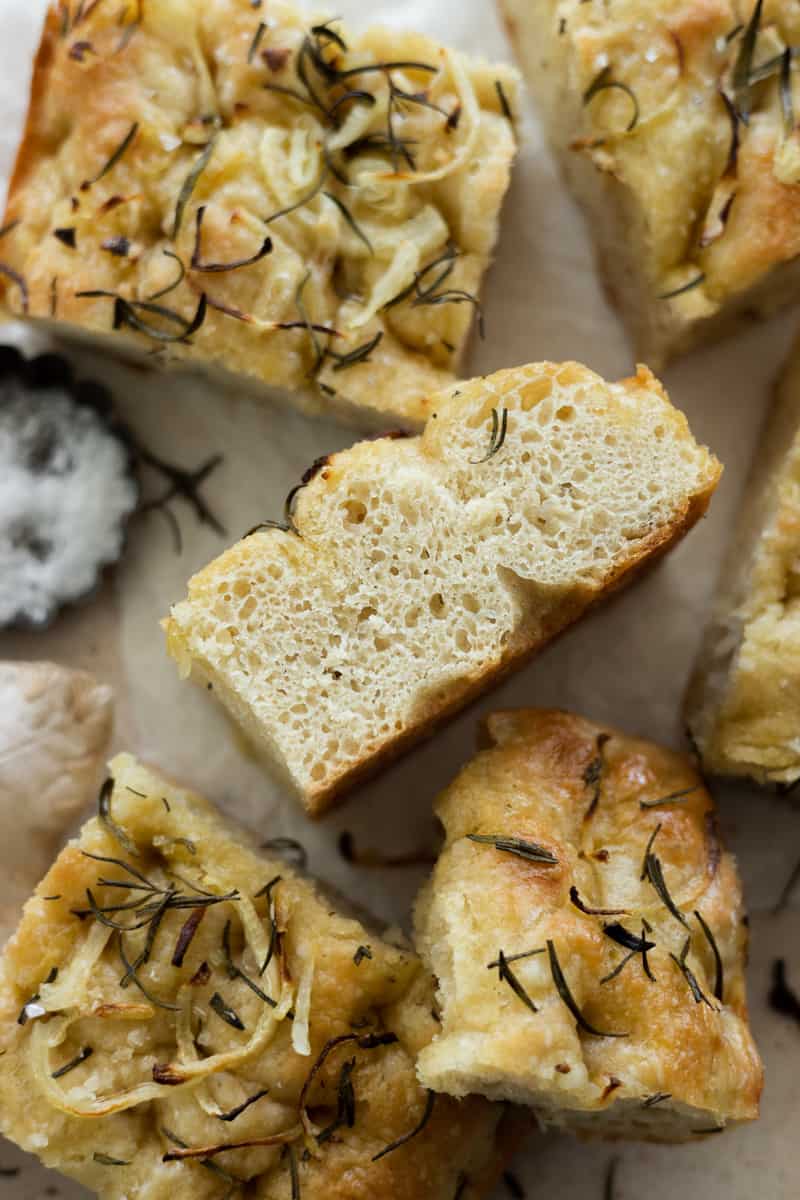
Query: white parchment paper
point(627, 664)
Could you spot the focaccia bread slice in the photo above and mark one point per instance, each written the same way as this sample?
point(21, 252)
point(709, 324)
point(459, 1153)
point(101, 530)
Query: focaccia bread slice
point(414, 572)
point(667, 119)
point(216, 185)
point(587, 931)
point(743, 702)
point(206, 1023)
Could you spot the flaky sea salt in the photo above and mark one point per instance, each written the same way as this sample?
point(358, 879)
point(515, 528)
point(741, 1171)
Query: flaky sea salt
point(65, 491)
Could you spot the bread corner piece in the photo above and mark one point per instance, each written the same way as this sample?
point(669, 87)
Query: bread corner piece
point(743, 702)
point(587, 932)
point(686, 173)
point(180, 1015)
point(414, 572)
point(300, 216)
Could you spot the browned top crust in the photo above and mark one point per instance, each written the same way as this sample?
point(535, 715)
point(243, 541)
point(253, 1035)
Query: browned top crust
point(681, 103)
point(302, 179)
point(619, 840)
point(111, 1083)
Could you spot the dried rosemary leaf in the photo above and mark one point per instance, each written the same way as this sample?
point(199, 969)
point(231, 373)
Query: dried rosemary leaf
point(603, 82)
point(719, 976)
point(496, 438)
point(229, 1015)
point(507, 976)
point(79, 1058)
point(189, 184)
point(741, 78)
point(104, 814)
point(530, 851)
point(418, 1128)
point(562, 988)
point(686, 287)
point(672, 798)
point(107, 1161)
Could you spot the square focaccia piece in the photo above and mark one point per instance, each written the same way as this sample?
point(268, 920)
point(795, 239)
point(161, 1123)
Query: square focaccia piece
point(412, 572)
point(587, 932)
point(743, 702)
point(236, 189)
point(673, 121)
point(180, 1016)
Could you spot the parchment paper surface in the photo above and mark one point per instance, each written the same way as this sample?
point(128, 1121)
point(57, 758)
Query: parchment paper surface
point(627, 664)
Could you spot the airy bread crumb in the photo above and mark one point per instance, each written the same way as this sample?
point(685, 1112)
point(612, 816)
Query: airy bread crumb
point(418, 570)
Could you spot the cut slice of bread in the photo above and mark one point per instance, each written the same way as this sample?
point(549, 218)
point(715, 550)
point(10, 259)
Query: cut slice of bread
point(415, 571)
point(588, 934)
point(743, 702)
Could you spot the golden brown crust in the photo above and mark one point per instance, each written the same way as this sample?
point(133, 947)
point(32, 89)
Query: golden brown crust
point(355, 997)
point(633, 99)
point(592, 799)
point(743, 701)
point(350, 230)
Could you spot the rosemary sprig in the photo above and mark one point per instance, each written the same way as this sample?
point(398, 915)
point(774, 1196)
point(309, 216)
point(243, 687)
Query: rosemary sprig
point(497, 437)
point(294, 1174)
point(686, 287)
point(345, 1103)
point(116, 155)
point(505, 107)
point(130, 974)
point(197, 264)
point(530, 851)
point(654, 873)
point(562, 988)
point(787, 103)
point(176, 282)
point(603, 82)
point(233, 1113)
point(32, 1001)
point(594, 912)
point(509, 958)
point(719, 975)
point(104, 815)
point(689, 975)
point(656, 1098)
point(508, 976)
point(407, 1137)
point(741, 78)
point(350, 219)
point(593, 775)
point(190, 183)
point(359, 355)
point(648, 849)
point(672, 798)
point(79, 1058)
point(256, 42)
point(235, 972)
point(223, 1010)
point(126, 313)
